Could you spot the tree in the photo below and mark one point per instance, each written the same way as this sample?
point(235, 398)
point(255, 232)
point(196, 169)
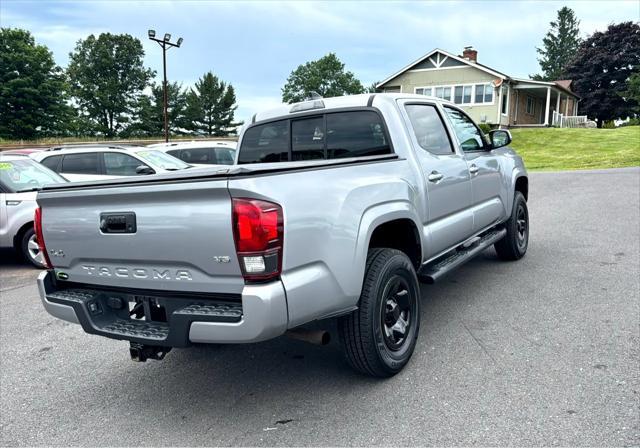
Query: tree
point(107, 77)
point(32, 88)
point(149, 112)
point(601, 68)
point(211, 107)
point(373, 88)
point(559, 45)
point(633, 88)
point(326, 76)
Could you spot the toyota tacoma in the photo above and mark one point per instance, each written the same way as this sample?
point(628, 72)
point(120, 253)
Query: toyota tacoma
point(336, 208)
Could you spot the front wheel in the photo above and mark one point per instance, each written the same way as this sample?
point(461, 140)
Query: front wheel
point(379, 337)
point(30, 250)
point(514, 245)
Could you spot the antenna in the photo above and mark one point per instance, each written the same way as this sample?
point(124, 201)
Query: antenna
point(313, 95)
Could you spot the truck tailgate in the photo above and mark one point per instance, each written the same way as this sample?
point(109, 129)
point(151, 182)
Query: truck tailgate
point(107, 235)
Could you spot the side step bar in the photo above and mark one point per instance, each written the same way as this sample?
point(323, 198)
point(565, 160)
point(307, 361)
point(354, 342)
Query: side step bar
point(430, 273)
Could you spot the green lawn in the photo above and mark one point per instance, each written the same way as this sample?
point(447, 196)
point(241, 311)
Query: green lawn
point(575, 149)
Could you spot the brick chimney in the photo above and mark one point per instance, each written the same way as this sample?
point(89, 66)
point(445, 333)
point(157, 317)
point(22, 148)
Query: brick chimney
point(470, 54)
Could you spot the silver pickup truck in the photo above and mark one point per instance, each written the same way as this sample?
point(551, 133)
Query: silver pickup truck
point(336, 208)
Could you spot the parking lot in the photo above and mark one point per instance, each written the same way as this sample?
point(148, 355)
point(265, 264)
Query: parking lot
point(544, 351)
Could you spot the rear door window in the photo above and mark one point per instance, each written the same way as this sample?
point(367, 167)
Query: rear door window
point(429, 129)
point(265, 143)
point(83, 163)
point(225, 156)
point(196, 155)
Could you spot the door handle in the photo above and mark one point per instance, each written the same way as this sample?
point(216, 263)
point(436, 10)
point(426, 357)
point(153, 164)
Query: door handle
point(474, 169)
point(435, 176)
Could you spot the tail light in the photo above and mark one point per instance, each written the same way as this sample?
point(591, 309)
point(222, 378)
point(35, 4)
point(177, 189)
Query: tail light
point(37, 227)
point(258, 233)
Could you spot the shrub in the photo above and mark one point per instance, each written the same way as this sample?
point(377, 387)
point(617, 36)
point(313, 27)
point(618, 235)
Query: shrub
point(632, 122)
point(608, 125)
point(484, 127)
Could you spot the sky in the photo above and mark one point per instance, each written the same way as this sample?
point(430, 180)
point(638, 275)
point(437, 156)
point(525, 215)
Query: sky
point(256, 45)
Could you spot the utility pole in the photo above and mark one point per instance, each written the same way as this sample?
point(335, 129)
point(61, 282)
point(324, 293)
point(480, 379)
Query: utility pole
point(165, 44)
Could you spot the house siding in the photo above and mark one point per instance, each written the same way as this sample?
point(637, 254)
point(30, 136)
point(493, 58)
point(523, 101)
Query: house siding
point(410, 80)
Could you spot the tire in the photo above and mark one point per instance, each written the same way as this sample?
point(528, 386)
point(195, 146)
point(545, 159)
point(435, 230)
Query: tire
point(514, 245)
point(29, 249)
point(372, 336)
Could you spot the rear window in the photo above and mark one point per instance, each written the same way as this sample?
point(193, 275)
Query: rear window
point(329, 136)
point(356, 134)
point(266, 143)
point(83, 163)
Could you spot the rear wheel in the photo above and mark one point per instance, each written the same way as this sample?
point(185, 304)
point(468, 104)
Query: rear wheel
point(379, 337)
point(514, 245)
point(30, 250)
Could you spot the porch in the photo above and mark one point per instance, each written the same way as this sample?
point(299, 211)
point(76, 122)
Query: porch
point(536, 103)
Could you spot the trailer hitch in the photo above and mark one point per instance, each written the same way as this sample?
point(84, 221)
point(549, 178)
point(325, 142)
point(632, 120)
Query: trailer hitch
point(141, 352)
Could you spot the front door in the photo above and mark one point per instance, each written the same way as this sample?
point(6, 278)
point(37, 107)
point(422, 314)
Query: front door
point(484, 169)
point(449, 218)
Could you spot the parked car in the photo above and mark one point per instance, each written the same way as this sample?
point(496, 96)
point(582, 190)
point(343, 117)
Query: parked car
point(336, 210)
point(219, 153)
point(20, 177)
point(96, 162)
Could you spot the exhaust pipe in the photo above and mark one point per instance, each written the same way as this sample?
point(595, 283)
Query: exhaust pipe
point(316, 337)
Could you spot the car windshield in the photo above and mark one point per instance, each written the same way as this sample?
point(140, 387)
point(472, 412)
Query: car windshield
point(162, 160)
point(18, 175)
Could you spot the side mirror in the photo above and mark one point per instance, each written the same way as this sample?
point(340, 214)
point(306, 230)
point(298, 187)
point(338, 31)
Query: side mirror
point(144, 169)
point(499, 138)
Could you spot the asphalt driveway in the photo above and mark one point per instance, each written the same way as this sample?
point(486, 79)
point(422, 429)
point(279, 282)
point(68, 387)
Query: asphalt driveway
point(544, 351)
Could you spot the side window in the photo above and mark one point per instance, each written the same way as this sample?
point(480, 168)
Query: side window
point(117, 164)
point(177, 153)
point(355, 134)
point(197, 155)
point(429, 129)
point(265, 143)
point(470, 137)
point(84, 163)
point(52, 162)
point(224, 156)
point(307, 139)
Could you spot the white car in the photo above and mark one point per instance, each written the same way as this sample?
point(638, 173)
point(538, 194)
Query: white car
point(20, 178)
point(206, 153)
point(95, 162)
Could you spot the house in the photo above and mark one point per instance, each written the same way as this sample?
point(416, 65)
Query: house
point(486, 94)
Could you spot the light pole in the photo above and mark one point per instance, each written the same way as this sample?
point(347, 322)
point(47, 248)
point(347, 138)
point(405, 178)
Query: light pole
point(165, 44)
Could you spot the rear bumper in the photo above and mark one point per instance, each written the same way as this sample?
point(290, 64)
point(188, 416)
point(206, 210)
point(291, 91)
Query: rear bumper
point(261, 314)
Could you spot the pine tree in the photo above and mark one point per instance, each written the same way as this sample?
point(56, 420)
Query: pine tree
point(559, 45)
point(211, 106)
point(149, 113)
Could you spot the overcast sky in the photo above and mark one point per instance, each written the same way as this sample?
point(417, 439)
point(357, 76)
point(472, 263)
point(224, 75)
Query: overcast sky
point(256, 45)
